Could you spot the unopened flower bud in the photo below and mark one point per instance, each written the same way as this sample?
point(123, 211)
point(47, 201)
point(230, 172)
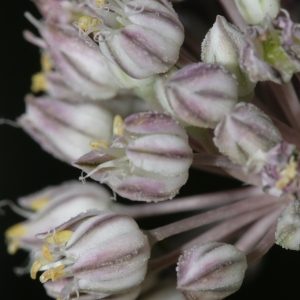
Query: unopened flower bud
point(65, 129)
point(148, 159)
point(83, 68)
point(105, 253)
point(256, 11)
point(141, 37)
point(288, 227)
point(223, 45)
point(211, 271)
point(245, 132)
point(281, 172)
point(201, 94)
point(53, 205)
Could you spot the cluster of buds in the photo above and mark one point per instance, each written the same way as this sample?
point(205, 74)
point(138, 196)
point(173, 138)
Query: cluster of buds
point(105, 60)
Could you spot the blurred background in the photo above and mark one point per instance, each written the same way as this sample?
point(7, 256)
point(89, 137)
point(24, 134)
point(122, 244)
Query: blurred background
point(25, 168)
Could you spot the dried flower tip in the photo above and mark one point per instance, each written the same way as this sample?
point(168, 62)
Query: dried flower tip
point(223, 45)
point(288, 227)
point(256, 11)
point(268, 52)
point(105, 254)
point(281, 173)
point(245, 135)
point(141, 37)
point(211, 271)
point(195, 97)
point(149, 162)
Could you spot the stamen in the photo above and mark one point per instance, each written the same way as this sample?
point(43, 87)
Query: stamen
point(15, 231)
point(34, 269)
point(96, 144)
point(46, 252)
point(13, 247)
point(118, 126)
point(99, 3)
point(38, 204)
point(60, 237)
point(288, 175)
point(86, 23)
point(46, 62)
point(39, 82)
point(53, 274)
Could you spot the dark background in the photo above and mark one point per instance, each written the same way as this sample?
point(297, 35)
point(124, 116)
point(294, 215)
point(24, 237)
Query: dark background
point(25, 168)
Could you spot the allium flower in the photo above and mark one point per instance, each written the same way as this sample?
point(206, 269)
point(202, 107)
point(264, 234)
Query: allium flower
point(104, 253)
point(83, 68)
point(141, 37)
point(244, 133)
point(196, 99)
point(50, 206)
point(148, 159)
point(65, 129)
point(211, 271)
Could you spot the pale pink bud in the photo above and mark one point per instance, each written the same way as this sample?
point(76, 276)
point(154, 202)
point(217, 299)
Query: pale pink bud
point(201, 94)
point(147, 161)
point(65, 129)
point(288, 227)
point(211, 271)
point(245, 132)
point(51, 206)
point(105, 253)
point(256, 11)
point(141, 37)
point(223, 45)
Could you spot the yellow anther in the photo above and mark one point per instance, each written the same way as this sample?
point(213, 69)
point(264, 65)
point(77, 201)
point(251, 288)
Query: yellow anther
point(118, 126)
point(96, 144)
point(53, 273)
point(60, 237)
point(39, 203)
point(17, 230)
point(58, 298)
point(34, 269)
point(38, 83)
point(13, 246)
point(99, 3)
point(87, 23)
point(46, 63)
point(287, 175)
point(46, 252)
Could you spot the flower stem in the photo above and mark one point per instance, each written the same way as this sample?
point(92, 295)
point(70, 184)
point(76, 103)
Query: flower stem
point(231, 210)
point(257, 231)
point(221, 233)
point(188, 203)
point(263, 246)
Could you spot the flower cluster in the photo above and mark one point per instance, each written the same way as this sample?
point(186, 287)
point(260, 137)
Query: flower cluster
point(123, 96)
